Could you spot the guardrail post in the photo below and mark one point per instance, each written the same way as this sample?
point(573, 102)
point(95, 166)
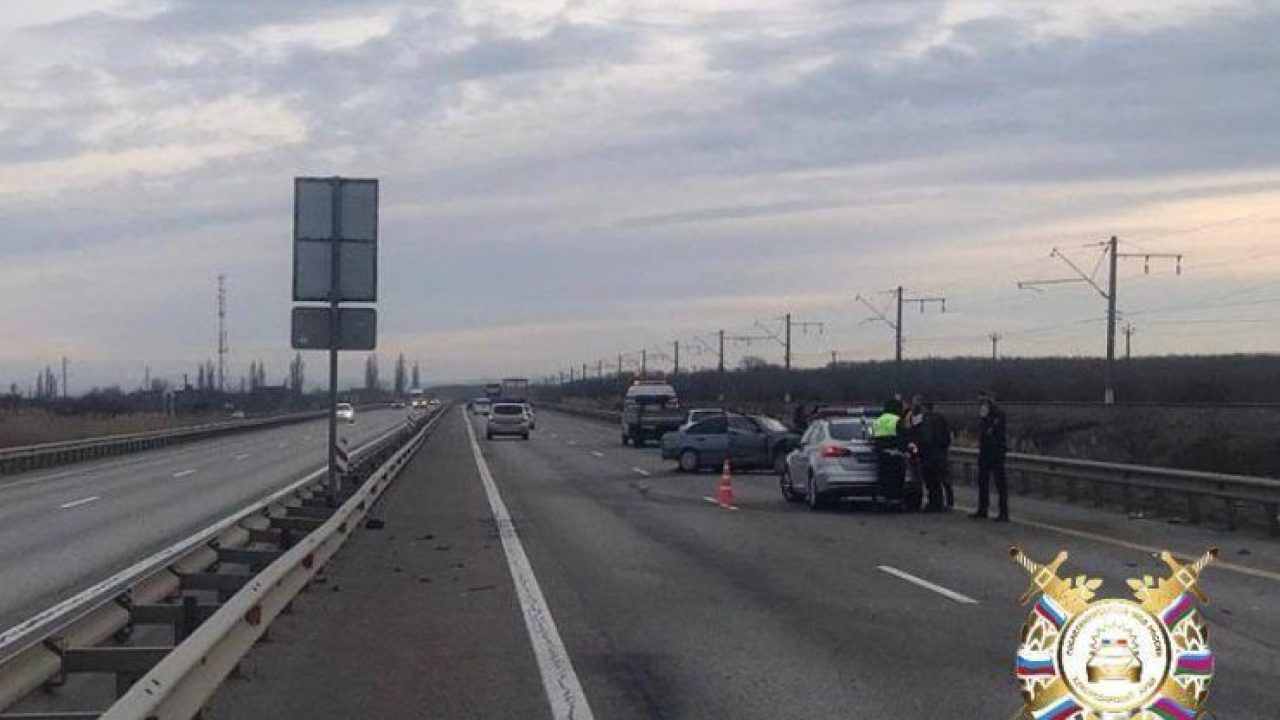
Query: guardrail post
point(1231, 514)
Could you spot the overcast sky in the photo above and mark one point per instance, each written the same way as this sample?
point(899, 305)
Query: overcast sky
point(563, 182)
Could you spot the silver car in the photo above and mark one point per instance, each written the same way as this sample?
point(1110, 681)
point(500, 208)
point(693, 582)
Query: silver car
point(835, 460)
point(508, 419)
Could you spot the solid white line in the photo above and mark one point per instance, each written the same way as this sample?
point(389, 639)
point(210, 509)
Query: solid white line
point(597, 453)
point(184, 473)
point(81, 501)
point(641, 473)
point(564, 691)
point(242, 456)
point(949, 594)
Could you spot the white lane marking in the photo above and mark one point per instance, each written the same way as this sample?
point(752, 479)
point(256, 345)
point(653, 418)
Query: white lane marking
point(183, 473)
point(242, 456)
point(81, 501)
point(714, 501)
point(949, 594)
point(572, 442)
point(641, 473)
point(597, 453)
point(555, 436)
point(564, 691)
point(282, 445)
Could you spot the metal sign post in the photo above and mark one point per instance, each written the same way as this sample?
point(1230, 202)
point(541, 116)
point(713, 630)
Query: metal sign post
point(335, 260)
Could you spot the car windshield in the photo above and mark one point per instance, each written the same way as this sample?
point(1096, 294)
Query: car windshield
point(508, 410)
point(848, 430)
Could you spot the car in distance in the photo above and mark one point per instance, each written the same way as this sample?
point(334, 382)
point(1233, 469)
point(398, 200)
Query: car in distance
point(346, 412)
point(481, 406)
point(649, 409)
point(507, 419)
point(397, 405)
point(749, 442)
point(836, 459)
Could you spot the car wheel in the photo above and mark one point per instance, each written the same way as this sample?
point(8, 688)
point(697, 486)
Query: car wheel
point(525, 436)
point(816, 501)
point(689, 461)
point(788, 489)
point(488, 436)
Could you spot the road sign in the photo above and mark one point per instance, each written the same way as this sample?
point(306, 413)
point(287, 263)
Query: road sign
point(357, 328)
point(335, 219)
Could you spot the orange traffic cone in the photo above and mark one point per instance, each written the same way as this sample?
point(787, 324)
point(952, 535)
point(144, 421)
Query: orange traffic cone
point(724, 493)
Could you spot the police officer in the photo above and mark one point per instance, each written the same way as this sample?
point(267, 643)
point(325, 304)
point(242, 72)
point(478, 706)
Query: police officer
point(891, 466)
point(992, 447)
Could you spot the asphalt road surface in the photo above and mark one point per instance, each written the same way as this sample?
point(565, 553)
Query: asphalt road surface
point(662, 605)
point(64, 529)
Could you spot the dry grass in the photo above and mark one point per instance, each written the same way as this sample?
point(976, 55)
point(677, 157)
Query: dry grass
point(29, 426)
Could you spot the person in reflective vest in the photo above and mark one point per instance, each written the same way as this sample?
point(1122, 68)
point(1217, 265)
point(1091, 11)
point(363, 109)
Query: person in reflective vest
point(891, 465)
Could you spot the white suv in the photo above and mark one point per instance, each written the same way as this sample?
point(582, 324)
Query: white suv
point(508, 419)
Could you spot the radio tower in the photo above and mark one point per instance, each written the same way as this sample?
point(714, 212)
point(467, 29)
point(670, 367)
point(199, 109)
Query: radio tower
point(222, 332)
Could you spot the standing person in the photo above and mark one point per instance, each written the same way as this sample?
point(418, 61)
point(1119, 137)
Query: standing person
point(891, 466)
point(940, 432)
point(934, 440)
point(916, 440)
point(800, 418)
point(992, 446)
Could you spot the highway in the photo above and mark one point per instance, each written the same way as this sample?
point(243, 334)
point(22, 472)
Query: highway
point(64, 529)
point(666, 606)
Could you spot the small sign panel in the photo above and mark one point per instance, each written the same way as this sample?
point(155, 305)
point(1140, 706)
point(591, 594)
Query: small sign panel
point(357, 328)
point(318, 204)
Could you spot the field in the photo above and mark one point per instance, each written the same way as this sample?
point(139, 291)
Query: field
point(30, 426)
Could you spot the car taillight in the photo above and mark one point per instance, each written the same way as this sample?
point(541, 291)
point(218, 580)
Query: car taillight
point(833, 451)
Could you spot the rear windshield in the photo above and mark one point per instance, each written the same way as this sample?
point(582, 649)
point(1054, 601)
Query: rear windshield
point(507, 410)
point(344, 406)
point(652, 399)
point(848, 431)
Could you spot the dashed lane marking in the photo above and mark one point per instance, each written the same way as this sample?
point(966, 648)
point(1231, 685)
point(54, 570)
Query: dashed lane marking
point(949, 594)
point(183, 473)
point(641, 473)
point(242, 456)
point(81, 501)
point(597, 453)
point(559, 680)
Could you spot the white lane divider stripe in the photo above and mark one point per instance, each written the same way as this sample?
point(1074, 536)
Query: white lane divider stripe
point(641, 473)
point(572, 442)
point(597, 453)
point(559, 680)
point(949, 594)
point(81, 501)
point(242, 456)
point(183, 473)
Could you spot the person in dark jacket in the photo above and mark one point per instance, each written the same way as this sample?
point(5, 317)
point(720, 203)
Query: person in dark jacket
point(992, 447)
point(931, 436)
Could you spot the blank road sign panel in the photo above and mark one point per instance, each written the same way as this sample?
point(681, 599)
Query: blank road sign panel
point(357, 271)
point(312, 209)
point(357, 239)
point(357, 328)
point(359, 210)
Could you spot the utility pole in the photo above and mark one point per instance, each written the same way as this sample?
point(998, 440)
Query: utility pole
point(786, 358)
point(900, 299)
point(600, 369)
point(64, 377)
point(995, 345)
point(584, 371)
point(146, 378)
point(675, 364)
point(644, 364)
point(720, 365)
point(1128, 341)
point(834, 358)
point(1111, 255)
point(619, 364)
point(222, 332)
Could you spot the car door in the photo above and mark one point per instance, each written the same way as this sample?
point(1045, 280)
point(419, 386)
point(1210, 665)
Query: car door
point(747, 442)
point(710, 438)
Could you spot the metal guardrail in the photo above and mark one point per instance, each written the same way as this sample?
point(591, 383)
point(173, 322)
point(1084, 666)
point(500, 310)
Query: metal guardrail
point(1233, 491)
point(1193, 486)
point(34, 457)
point(65, 638)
